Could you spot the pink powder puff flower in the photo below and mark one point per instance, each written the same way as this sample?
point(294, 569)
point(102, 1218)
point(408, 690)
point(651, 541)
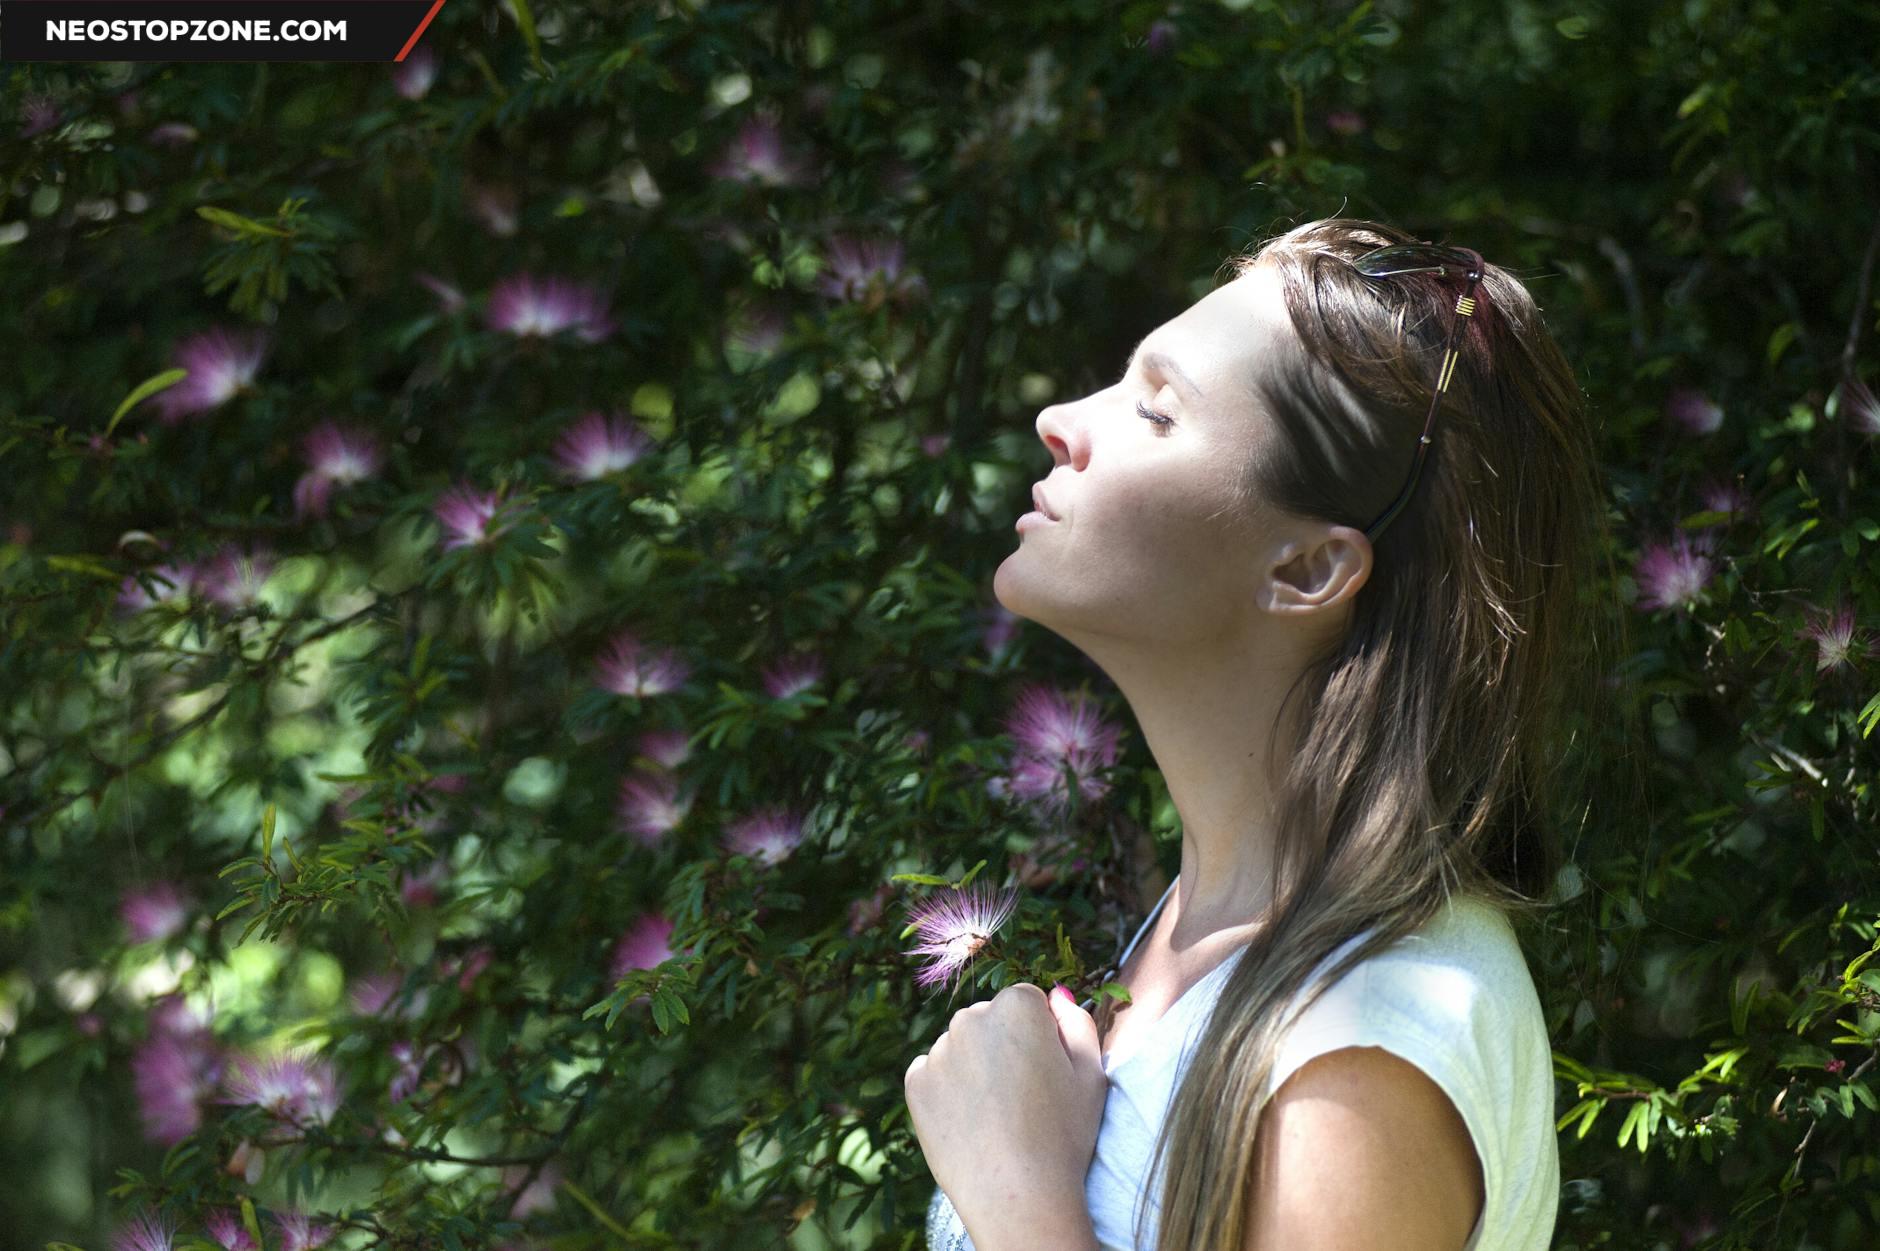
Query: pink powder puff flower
point(1054, 734)
point(1837, 642)
point(524, 305)
point(867, 271)
point(538, 1195)
point(1160, 39)
point(154, 912)
point(954, 925)
point(174, 1014)
point(38, 113)
point(336, 456)
point(756, 330)
point(598, 445)
point(1725, 496)
point(373, 994)
point(650, 806)
point(1001, 627)
point(172, 134)
point(628, 668)
point(298, 1089)
point(465, 514)
point(299, 1233)
point(449, 298)
point(667, 749)
point(247, 1162)
point(1693, 411)
point(408, 1070)
point(758, 155)
point(221, 364)
point(495, 207)
point(147, 1232)
point(1344, 122)
point(168, 581)
point(172, 1073)
point(645, 945)
point(768, 836)
point(1673, 575)
point(1858, 406)
point(225, 1226)
point(792, 675)
point(413, 76)
point(421, 889)
point(865, 913)
point(468, 967)
point(234, 578)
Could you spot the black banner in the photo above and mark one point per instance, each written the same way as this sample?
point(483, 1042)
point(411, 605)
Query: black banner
point(212, 30)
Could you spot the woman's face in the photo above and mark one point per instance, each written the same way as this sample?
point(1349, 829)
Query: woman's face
point(1150, 542)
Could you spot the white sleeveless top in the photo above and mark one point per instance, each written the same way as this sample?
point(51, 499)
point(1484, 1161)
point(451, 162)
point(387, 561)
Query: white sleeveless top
point(1455, 999)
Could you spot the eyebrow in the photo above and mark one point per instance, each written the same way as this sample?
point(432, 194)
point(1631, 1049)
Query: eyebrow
point(1165, 363)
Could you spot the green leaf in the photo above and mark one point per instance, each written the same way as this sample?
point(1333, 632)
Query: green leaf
point(1869, 716)
point(239, 224)
point(1696, 99)
point(1585, 1110)
point(923, 879)
point(1780, 340)
point(81, 564)
point(241, 901)
point(525, 21)
point(1739, 1008)
point(1633, 1120)
point(143, 391)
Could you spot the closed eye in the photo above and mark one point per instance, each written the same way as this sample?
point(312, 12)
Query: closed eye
point(1161, 421)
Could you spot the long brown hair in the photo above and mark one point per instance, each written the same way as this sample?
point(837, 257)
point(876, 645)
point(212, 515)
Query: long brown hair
point(1434, 738)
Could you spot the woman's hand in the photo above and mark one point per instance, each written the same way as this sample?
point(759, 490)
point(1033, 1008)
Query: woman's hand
point(1007, 1105)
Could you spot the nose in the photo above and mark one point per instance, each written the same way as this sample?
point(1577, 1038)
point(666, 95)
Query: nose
point(1055, 431)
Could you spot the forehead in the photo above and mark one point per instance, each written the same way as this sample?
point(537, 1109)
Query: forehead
point(1221, 336)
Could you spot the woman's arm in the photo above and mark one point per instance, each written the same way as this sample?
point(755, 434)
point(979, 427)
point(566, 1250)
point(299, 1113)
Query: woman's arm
point(1359, 1150)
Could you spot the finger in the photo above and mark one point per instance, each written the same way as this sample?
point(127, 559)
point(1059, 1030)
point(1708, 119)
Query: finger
point(1077, 1030)
point(1017, 993)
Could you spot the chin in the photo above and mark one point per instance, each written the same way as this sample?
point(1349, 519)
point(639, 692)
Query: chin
point(1006, 591)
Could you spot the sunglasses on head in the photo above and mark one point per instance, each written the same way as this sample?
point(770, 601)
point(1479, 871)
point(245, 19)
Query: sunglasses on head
point(1425, 258)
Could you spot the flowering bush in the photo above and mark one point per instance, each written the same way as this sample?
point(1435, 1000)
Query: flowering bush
point(505, 737)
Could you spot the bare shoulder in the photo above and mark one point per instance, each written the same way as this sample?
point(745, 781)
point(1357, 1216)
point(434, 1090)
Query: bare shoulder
point(1360, 1150)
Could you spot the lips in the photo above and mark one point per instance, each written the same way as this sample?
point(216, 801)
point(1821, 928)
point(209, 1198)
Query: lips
point(1038, 501)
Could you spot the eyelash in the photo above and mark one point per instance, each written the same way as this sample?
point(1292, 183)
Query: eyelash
point(1161, 422)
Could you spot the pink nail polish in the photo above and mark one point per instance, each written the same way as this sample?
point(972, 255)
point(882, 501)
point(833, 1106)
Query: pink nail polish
point(1065, 992)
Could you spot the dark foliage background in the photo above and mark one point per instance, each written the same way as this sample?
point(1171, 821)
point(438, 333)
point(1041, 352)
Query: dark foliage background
point(346, 776)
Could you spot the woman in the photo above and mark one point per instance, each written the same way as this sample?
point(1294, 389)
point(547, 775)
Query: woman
point(1334, 536)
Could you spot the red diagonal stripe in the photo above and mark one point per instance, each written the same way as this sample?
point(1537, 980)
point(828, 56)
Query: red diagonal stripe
point(435, 6)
